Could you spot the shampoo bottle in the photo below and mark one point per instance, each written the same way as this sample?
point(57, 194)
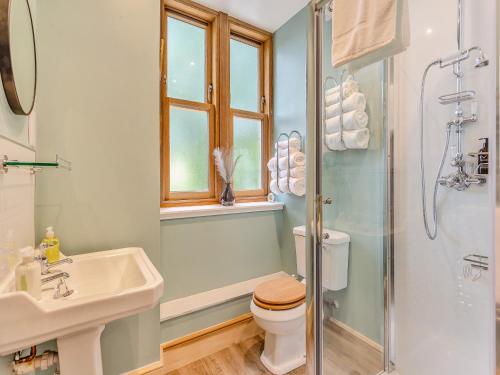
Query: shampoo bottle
point(51, 243)
point(28, 277)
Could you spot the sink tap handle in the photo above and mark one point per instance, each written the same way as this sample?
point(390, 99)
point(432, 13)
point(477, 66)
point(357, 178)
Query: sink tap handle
point(60, 275)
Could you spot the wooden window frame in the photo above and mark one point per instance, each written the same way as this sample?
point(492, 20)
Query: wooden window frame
point(259, 115)
point(220, 29)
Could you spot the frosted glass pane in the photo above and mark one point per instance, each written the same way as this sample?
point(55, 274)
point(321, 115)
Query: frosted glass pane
point(247, 142)
point(186, 61)
point(244, 76)
point(189, 145)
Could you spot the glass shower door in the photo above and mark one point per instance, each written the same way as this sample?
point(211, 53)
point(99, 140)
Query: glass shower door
point(355, 194)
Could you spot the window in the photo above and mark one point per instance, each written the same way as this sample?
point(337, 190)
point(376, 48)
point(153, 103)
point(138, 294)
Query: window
point(216, 92)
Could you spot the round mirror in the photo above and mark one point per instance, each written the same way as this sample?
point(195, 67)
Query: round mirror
point(17, 55)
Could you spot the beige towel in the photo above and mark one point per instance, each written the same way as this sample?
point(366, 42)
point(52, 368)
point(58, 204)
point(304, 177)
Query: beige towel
point(373, 28)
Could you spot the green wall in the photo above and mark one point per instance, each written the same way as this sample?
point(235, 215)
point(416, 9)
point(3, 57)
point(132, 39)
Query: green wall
point(290, 65)
point(200, 254)
point(98, 106)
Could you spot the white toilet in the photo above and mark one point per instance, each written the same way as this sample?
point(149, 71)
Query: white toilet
point(279, 305)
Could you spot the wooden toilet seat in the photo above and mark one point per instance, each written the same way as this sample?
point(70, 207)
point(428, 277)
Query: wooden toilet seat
point(283, 293)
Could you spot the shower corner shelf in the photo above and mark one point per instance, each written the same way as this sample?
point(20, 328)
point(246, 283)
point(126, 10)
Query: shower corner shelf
point(33, 167)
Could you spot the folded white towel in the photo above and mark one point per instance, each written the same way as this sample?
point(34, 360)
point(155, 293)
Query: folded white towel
point(354, 139)
point(349, 84)
point(294, 143)
point(334, 142)
point(283, 186)
point(357, 139)
point(351, 121)
point(297, 172)
point(284, 151)
point(297, 159)
point(273, 186)
point(298, 186)
point(332, 96)
point(356, 101)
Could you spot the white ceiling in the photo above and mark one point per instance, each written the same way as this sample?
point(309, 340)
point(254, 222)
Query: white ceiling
point(265, 14)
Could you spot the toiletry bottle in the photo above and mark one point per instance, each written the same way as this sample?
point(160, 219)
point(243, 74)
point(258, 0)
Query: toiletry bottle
point(52, 245)
point(28, 277)
point(482, 159)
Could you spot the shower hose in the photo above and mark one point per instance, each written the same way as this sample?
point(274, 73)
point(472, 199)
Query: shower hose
point(430, 229)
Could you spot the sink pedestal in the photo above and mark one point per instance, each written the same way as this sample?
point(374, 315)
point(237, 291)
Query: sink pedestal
point(80, 352)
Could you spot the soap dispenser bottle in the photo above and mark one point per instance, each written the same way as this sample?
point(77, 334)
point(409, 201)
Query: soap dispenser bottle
point(51, 245)
point(483, 157)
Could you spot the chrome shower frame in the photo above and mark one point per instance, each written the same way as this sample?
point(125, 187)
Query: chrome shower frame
point(316, 201)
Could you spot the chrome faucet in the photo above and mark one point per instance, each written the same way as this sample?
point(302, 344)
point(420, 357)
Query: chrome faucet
point(45, 266)
point(56, 276)
point(61, 290)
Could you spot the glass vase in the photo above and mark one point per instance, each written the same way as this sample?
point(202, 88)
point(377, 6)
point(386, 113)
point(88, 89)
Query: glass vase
point(227, 197)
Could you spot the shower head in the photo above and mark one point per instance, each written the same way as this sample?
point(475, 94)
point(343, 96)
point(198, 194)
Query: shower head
point(481, 60)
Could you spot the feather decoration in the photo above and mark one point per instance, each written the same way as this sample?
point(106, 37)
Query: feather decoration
point(225, 163)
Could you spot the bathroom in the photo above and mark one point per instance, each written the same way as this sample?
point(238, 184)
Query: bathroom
point(172, 274)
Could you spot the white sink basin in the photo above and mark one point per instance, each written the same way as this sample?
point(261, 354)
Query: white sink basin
point(108, 285)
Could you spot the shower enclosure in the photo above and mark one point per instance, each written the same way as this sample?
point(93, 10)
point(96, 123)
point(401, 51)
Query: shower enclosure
point(416, 302)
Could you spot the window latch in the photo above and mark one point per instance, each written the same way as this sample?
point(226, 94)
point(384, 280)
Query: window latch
point(210, 92)
point(262, 103)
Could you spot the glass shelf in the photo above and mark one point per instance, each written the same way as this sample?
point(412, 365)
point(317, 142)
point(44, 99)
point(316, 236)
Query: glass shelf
point(33, 166)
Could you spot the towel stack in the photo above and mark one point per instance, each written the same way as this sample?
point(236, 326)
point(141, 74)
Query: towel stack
point(355, 134)
point(279, 184)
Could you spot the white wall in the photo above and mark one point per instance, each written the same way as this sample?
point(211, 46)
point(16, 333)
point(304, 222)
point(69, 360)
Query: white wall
point(17, 189)
point(444, 324)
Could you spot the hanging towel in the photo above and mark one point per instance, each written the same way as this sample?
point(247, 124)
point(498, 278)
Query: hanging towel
point(294, 143)
point(284, 151)
point(298, 186)
point(356, 139)
point(356, 101)
point(351, 121)
point(297, 172)
point(373, 29)
point(334, 142)
point(297, 159)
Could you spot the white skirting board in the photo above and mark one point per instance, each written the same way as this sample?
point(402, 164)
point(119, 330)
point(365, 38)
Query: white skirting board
point(360, 336)
point(200, 301)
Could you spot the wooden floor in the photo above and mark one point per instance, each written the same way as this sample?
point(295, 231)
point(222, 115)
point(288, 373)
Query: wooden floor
point(345, 354)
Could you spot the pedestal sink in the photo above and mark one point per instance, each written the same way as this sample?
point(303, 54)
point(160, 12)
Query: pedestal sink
point(107, 285)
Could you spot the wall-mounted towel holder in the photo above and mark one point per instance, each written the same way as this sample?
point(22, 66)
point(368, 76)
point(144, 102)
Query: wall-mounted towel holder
point(338, 82)
point(287, 137)
point(33, 167)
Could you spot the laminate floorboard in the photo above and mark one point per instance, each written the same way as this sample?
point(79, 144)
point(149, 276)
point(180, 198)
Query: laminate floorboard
point(344, 354)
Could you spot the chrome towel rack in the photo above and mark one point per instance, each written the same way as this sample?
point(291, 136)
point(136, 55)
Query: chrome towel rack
point(287, 137)
point(340, 83)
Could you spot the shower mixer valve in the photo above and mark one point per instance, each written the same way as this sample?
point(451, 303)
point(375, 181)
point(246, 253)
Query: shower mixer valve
point(460, 180)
